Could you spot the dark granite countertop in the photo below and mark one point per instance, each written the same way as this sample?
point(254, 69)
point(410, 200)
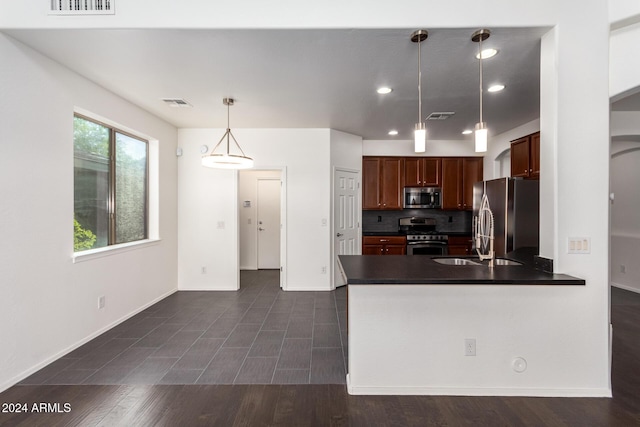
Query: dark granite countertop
point(383, 233)
point(402, 233)
point(420, 269)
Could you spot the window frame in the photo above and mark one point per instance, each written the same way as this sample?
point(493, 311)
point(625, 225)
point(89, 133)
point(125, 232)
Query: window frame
point(111, 199)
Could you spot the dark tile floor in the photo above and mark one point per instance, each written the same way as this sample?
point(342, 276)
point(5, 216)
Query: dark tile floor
point(258, 335)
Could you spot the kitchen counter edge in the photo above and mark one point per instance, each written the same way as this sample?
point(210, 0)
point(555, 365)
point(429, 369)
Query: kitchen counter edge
point(421, 270)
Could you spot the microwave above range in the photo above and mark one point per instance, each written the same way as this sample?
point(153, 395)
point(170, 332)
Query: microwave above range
point(422, 198)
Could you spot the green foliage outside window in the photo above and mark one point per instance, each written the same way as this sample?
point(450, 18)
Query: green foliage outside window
point(82, 239)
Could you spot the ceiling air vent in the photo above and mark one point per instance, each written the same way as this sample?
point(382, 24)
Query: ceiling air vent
point(176, 102)
point(82, 7)
point(442, 115)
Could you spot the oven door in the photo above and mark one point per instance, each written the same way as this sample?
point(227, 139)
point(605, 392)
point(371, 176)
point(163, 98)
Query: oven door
point(427, 248)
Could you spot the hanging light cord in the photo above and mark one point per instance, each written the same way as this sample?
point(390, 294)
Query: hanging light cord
point(480, 66)
point(227, 134)
point(419, 83)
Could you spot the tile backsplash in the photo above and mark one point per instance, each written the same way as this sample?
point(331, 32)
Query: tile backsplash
point(446, 221)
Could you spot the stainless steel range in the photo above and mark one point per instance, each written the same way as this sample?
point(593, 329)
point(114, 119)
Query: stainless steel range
point(422, 237)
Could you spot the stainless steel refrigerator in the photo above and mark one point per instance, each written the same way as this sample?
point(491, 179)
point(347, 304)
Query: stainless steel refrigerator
point(515, 206)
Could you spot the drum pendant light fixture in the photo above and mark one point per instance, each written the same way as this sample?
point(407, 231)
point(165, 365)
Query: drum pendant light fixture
point(420, 132)
point(481, 127)
point(226, 160)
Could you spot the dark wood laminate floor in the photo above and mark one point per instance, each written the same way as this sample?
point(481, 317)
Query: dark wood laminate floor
point(330, 405)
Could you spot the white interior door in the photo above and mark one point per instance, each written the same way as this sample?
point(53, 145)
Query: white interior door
point(268, 223)
point(345, 218)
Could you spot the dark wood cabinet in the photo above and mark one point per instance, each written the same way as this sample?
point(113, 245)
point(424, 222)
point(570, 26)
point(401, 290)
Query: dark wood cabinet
point(534, 159)
point(422, 171)
point(458, 176)
point(383, 181)
point(384, 245)
point(525, 156)
point(460, 245)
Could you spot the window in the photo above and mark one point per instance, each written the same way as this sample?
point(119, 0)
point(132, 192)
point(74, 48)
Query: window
point(110, 185)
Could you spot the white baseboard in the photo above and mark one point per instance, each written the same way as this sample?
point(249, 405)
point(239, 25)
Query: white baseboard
point(625, 287)
point(476, 391)
point(13, 381)
point(291, 288)
point(205, 289)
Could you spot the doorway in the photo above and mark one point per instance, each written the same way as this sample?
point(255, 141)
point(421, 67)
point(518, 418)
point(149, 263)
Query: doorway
point(261, 219)
point(346, 214)
point(268, 235)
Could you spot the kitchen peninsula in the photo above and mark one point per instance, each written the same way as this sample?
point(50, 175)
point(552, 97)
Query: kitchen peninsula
point(413, 324)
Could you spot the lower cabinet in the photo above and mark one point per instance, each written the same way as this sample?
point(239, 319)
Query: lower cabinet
point(384, 245)
point(460, 245)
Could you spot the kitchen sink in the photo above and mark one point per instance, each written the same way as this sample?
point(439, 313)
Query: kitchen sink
point(502, 261)
point(467, 261)
point(455, 261)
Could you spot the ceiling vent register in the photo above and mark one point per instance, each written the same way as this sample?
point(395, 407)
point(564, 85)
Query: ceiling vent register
point(176, 102)
point(82, 7)
point(444, 115)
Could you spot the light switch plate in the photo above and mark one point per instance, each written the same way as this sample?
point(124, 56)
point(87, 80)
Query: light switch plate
point(579, 245)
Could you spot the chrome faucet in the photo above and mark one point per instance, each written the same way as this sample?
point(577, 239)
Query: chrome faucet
point(484, 231)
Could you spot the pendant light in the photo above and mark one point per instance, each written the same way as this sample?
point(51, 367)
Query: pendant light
point(420, 132)
point(481, 127)
point(227, 160)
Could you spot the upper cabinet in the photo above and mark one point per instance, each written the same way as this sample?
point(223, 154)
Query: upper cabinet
point(458, 177)
point(382, 179)
point(525, 157)
point(422, 172)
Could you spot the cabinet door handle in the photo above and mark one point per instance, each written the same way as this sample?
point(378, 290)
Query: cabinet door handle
point(384, 240)
point(381, 250)
point(530, 170)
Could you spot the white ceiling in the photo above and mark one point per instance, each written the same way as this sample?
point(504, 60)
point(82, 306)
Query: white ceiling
point(308, 78)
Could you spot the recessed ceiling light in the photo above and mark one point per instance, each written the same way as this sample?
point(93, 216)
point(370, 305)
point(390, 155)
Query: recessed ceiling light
point(467, 132)
point(393, 132)
point(384, 90)
point(495, 88)
point(487, 53)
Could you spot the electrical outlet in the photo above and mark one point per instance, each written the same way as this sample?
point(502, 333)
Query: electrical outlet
point(101, 302)
point(623, 269)
point(470, 347)
point(323, 270)
point(220, 225)
point(203, 270)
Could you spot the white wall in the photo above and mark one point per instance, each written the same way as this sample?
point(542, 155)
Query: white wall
point(208, 196)
point(248, 216)
point(624, 61)
point(622, 12)
point(48, 304)
point(425, 328)
point(346, 150)
point(404, 148)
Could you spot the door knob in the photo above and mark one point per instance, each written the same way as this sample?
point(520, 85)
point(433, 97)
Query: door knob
point(339, 234)
point(260, 228)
